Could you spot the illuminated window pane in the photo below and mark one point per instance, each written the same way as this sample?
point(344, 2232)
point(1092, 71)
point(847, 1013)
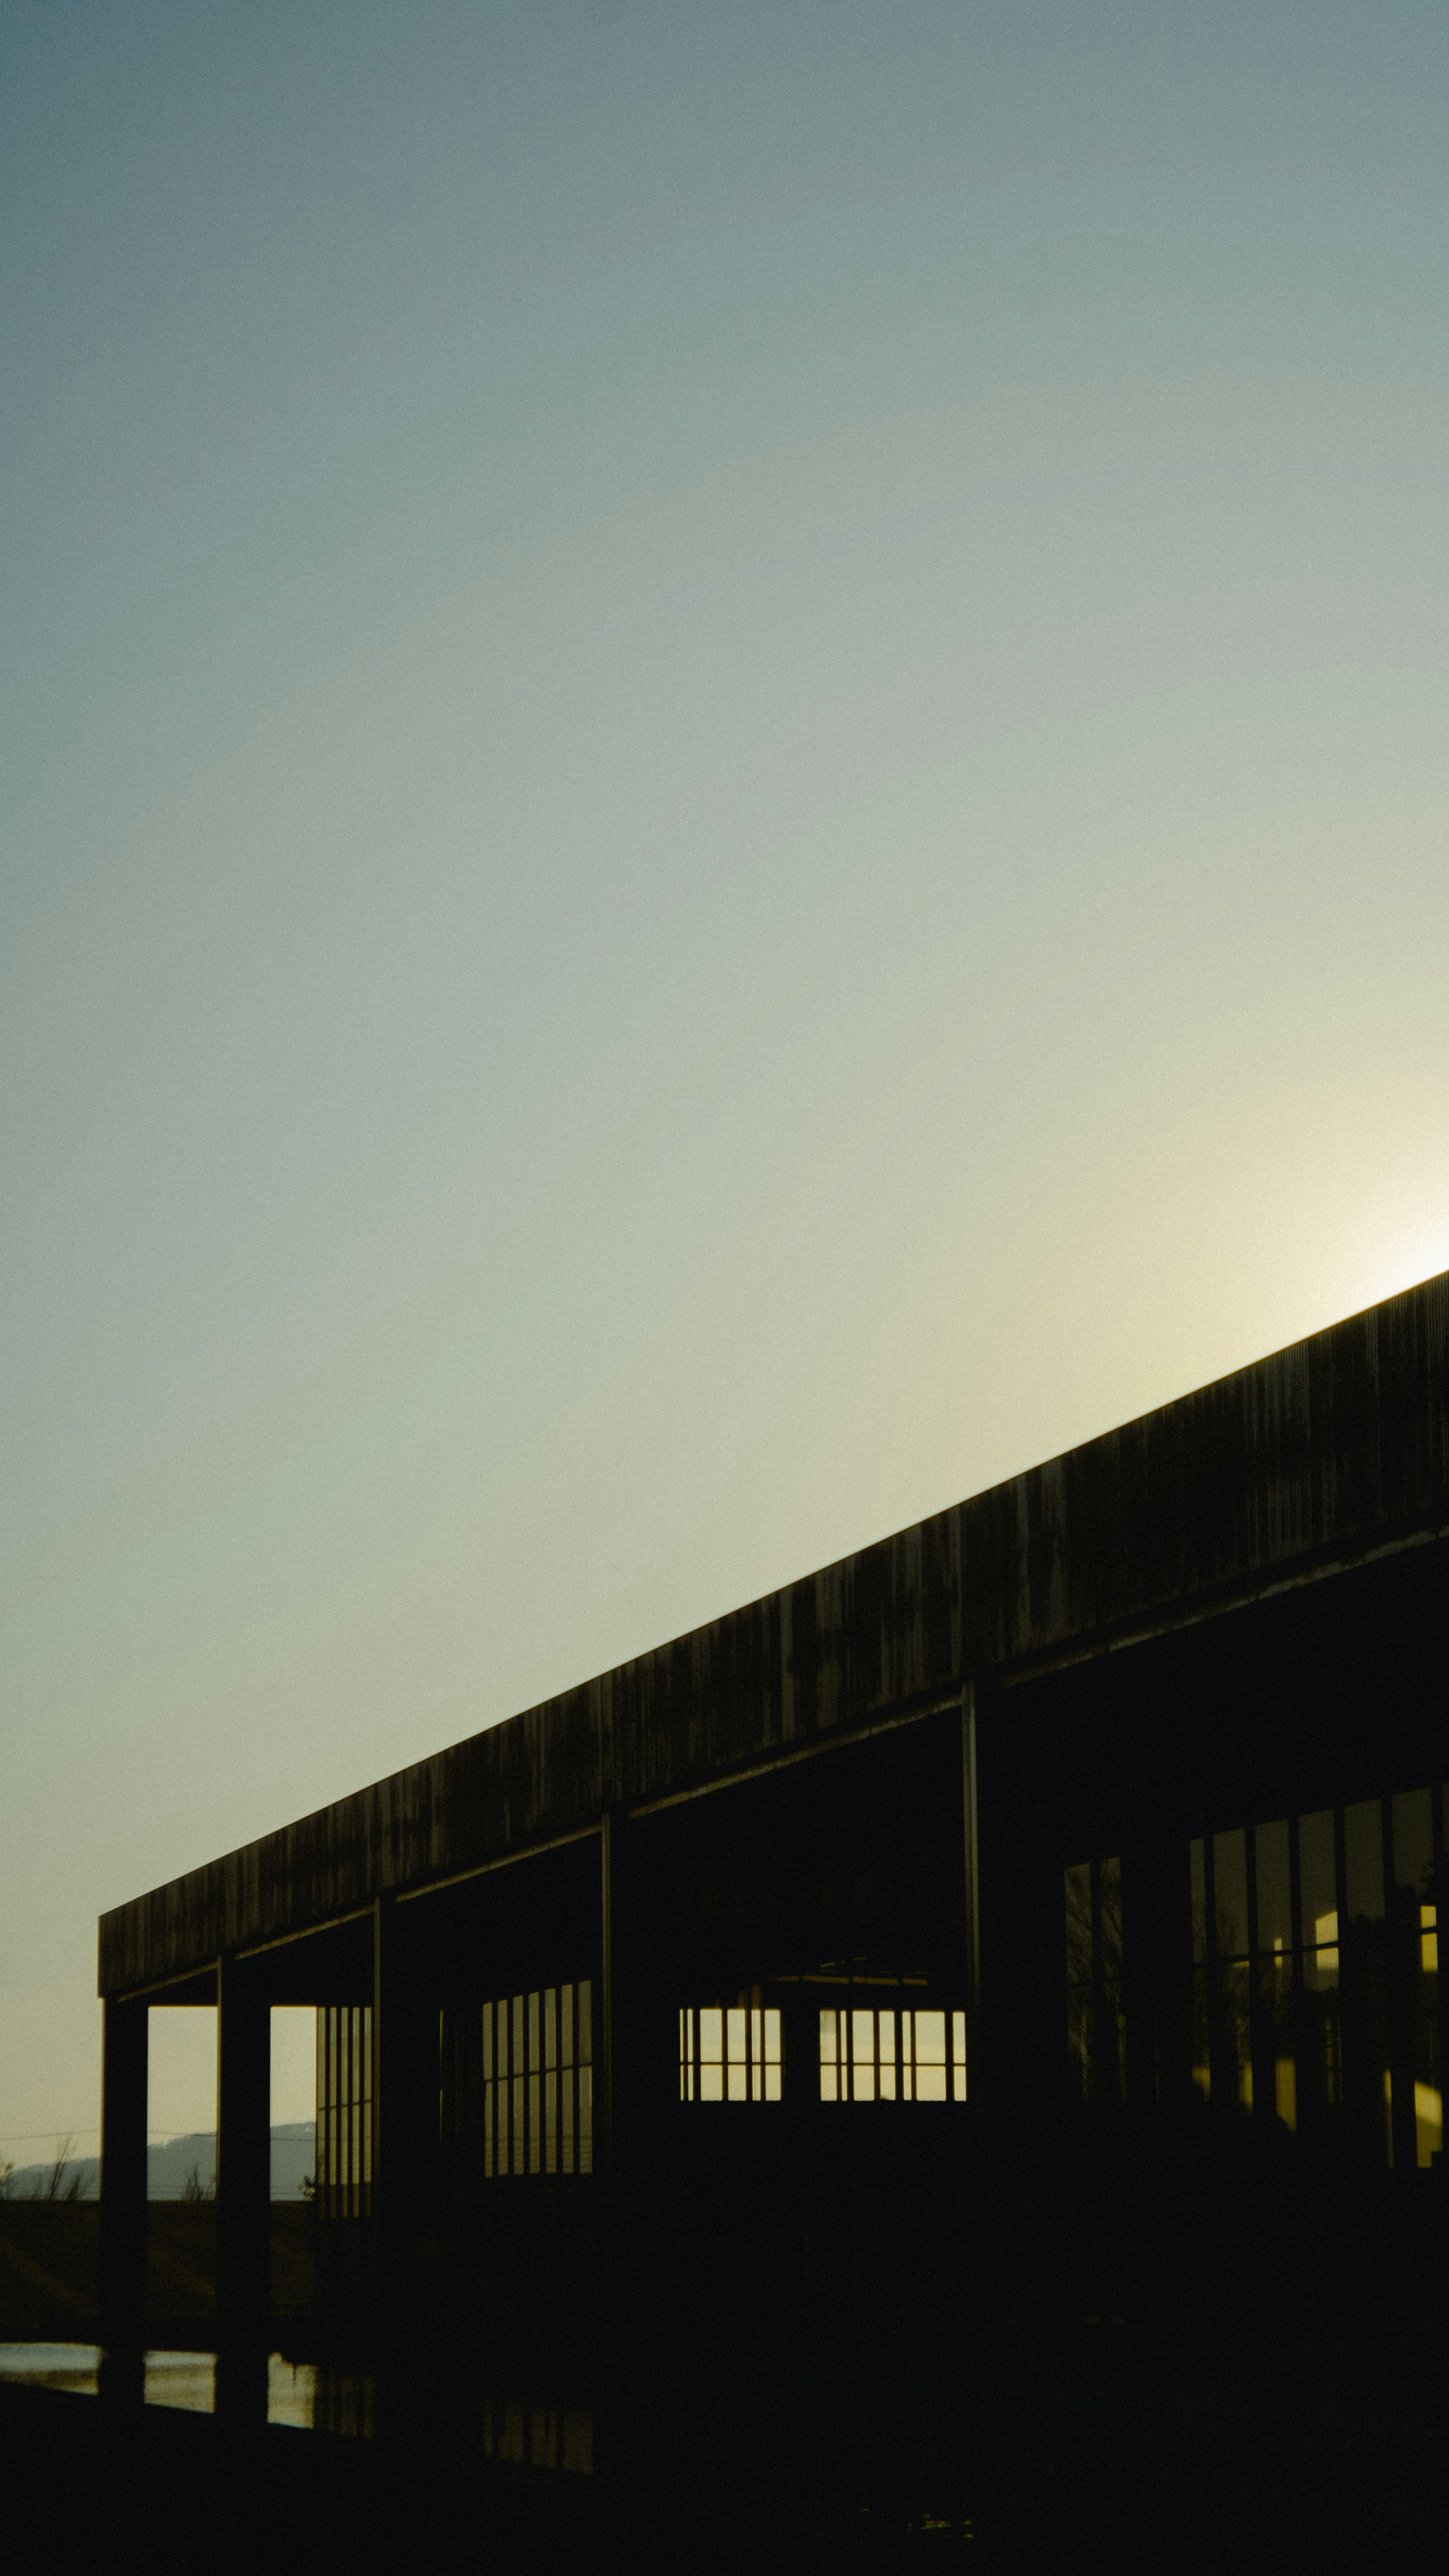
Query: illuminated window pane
point(887, 2056)
point(930, 2057)
point(1230, 1873)
point(535, 2087)
point(1318, 1879)
point(550, 2081)
point(566, 2046)
point(907, 2067)
point(862, 2049)
point(1428, 2123)
point(829, 2085)
point(958, 2057)
point(735, 2021)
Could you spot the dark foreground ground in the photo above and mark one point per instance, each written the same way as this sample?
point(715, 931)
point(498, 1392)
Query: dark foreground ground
point(88, 2486)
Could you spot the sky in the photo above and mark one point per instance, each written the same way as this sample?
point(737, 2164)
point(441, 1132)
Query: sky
point(722, 809)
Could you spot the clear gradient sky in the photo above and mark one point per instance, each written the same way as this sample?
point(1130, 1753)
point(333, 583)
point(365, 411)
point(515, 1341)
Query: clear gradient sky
point(723, 807)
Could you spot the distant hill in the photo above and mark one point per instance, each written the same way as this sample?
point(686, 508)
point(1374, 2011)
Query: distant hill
point(167, 2167)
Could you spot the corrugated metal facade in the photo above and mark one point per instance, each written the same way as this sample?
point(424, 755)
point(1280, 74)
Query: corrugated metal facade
point(1319, 1455)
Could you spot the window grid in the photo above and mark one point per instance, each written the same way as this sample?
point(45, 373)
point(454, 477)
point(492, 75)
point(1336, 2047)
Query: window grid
point(344, 2110)
point(538, 2083)
point(1096, 2019)
point(864, 2059)
point(730, 2053)
point(1315, 1962)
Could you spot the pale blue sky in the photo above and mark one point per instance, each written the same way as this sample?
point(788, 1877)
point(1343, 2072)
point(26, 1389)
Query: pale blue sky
point(723, 807)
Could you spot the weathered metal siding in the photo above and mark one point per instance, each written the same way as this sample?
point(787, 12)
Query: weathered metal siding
point(1322, 1450)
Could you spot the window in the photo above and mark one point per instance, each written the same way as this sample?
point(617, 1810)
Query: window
point(1096, 2023)
point(344, 2110)
point(1316, 1974)
point(874, 2055)
point(729, 2053)
point(538, 2083)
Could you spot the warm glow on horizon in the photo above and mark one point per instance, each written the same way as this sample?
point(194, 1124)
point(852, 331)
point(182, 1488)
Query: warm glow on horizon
point(723, 811)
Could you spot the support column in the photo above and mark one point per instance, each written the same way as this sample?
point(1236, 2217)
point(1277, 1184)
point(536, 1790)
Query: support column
point(404, 2121)
point(123, 2198)
point(243, 2188)
point(972, 1886)
point(634, 2104)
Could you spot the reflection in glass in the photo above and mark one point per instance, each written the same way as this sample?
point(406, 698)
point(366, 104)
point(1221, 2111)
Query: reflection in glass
point(531, 2082)
point(550, 2081)
point(1198, 1871)
point(1275, 1906)
point(1413, 1841)
point(1202, 2072)
point(1416, 1945)
point(1318, 1882)
point(535, 2086)
point(1078, 1897)
point(1363, 1857)
point(1096, 2023)
point(1275, 2002)
point(1230, 1873)
point(519, 2080)
point(1238, 2028)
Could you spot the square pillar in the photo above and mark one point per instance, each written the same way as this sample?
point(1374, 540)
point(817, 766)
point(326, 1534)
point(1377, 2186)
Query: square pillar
point(637, 2076)
point(243, 2187)
point(404, 2118)
point(123, 2197)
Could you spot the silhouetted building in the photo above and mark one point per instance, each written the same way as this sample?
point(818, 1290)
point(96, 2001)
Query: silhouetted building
point(1019, 1939)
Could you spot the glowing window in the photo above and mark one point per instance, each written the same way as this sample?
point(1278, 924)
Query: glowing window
point(538, 2083)
point(729, 2053)
point(870, 2055)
